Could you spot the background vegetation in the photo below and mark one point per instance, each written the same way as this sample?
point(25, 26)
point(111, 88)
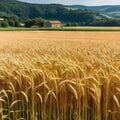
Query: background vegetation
point(111, 11)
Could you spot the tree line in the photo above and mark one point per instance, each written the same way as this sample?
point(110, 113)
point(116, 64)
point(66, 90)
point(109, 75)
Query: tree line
point(9, 20)
point(14, 21)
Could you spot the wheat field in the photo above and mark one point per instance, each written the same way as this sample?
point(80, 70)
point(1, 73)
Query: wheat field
point(59, 75)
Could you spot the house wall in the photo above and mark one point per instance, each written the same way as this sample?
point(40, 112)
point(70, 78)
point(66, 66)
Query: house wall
point(53, 25)
point(56, 25)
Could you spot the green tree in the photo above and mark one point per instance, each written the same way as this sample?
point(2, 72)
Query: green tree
point(11, 22)
point(4, 24)
point(17, 23)
point(37, 21)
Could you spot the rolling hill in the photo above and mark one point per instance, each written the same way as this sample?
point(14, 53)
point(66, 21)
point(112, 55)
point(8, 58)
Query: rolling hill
point(112, 11)
point(67, 14)
point(47, 11)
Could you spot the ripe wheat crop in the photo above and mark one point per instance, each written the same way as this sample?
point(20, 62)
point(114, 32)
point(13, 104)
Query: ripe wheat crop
point(59, 76)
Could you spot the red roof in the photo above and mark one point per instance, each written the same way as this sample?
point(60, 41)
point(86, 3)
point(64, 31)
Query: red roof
point(55, 22)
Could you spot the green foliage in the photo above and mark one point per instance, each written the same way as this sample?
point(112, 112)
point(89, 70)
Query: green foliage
point(16, 12)
point(17, 23)
point(35, 22)
point(11, 22)
point(112, 11)
point(4, 24)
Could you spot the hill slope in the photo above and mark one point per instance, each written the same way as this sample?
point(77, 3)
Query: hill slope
point(54, 12)
point(47, 11)
point(112, 11)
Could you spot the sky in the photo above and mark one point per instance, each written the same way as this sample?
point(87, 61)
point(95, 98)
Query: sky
point(79, 2)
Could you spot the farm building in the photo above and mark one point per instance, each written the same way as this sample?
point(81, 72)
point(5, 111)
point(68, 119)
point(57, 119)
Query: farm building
point(34, 26)
point(53, 24)
point(1, 19)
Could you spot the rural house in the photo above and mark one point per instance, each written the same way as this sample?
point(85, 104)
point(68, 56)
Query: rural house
point(1, 19)
point(34, 26)
point(53, 24)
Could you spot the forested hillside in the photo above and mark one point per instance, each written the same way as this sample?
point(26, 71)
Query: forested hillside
point(112, 11)
point(75, 17)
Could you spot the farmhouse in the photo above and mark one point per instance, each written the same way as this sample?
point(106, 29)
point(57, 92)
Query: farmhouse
point(1, 19)
point(53, 24)
point(34, 26)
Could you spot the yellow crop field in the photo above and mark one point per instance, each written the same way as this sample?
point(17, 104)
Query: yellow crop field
point(57, 75)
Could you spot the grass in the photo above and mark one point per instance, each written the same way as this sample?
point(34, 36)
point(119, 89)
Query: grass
point(114, 14)
point(81, 29)
point(52, 75)
point(18, 29)
point(71, 8)
point(62, 29)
